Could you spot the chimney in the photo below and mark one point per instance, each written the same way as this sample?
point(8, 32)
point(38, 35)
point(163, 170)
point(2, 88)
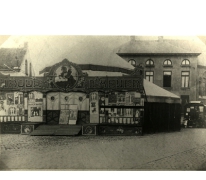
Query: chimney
point(160, 38)
point(132, 38)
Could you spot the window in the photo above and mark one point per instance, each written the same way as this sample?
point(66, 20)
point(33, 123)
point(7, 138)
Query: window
point(167, 62)
point(132, 62)
point(167, 77)
point(149, 75)
point(185, 79)
point(185, 62)
point(30, 70)
point(149, 62)
point(26, 68)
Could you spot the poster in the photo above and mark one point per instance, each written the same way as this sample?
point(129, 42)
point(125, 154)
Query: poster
point(35, 113)
point(35, 97)
point(11, 104)
point(64, 117)
point(112, 99)
point(121, 98)
point(70, 113)
point(94, 106)
point(10, 99)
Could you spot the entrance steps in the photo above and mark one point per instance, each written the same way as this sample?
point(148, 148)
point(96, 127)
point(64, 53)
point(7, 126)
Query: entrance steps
point(56, 130)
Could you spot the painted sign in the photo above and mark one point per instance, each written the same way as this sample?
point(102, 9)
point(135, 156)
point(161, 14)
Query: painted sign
point(66, 76)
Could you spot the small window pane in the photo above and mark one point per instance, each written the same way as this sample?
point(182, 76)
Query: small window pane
point(185, 62)
point(187, 81)
point(167, 73)
point(185, 73)
point(167, 62)
point(149, 73)
point(149, 62)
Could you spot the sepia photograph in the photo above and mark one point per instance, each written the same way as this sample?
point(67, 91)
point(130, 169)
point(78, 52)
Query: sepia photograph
point(102, 102)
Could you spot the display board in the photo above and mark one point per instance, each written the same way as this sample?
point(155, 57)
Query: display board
point(11, 106)
point(122, 108)
point(68, 114)
point(94, 107)
point(35, 107)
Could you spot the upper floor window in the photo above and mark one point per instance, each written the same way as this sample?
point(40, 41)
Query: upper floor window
point(185, 62)
point(149, 62)
point(185, 79)
point(149, 75)
point(132, 62)
point(167, 62)
point(167, 78)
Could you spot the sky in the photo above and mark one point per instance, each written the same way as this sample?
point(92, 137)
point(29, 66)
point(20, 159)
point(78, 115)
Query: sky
point(3, 38)
point(47, 50)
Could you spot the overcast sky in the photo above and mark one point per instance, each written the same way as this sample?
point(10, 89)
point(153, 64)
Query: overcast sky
point(47, 50)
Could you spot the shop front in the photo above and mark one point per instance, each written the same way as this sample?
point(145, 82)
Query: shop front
point(66, 98)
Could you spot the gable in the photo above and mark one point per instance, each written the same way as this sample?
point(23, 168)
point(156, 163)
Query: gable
point(11, 57)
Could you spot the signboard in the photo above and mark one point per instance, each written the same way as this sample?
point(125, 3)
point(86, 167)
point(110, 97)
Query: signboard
point(66, 76)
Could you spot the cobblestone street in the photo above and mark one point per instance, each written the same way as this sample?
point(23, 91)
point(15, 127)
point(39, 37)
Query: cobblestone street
point(184, 150)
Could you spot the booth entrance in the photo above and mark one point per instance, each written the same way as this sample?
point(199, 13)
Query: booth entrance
point(63, 108)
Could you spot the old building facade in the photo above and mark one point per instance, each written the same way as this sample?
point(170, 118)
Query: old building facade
point(167, 63)
point(16, 61)
point(202, 83)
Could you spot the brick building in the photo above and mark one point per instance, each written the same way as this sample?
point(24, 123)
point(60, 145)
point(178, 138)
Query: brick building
point(170, 64)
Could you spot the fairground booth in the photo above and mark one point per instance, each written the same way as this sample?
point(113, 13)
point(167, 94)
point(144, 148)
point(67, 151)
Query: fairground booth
point(83, 88)
point(67, 101)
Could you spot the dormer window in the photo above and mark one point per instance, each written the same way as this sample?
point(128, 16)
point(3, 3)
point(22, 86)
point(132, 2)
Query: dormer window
point(149, 62)
point(185, 62)
point(167, 62)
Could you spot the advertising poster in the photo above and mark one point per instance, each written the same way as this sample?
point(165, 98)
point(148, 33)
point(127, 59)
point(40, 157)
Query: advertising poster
point(94, 105)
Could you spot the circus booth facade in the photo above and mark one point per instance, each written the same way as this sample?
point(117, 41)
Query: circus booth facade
point(67, 101)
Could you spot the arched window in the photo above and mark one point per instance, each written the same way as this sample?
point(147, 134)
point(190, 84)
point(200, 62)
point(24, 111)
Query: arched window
point(185, 62)
point(149, 62)
point(132, 62)
point(167, 62)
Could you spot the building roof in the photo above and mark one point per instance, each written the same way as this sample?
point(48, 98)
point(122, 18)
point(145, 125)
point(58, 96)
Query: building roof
point(11, 57)
point(93, 50)
point(201, 66)
point(163, 46)
point(94, 67)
